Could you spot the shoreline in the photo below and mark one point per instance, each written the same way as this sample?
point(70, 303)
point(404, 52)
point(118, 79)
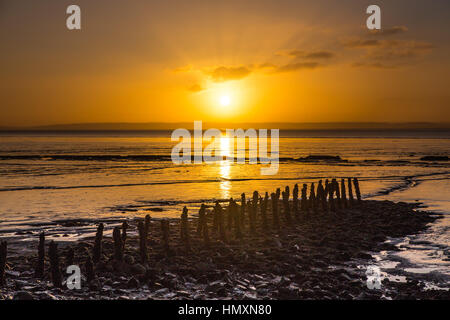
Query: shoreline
point(317, 253)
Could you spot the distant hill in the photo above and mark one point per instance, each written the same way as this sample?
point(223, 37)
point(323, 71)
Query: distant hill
point(163, 126)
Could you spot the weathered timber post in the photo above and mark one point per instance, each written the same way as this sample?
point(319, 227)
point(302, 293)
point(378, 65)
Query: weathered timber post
point(201, 219)
point(165, 234)
point(312, 198)
point(338, 193)
point(97, 251)
point(118, 245)
point(295, 200)
point(350, 191)
point(263, 204)
point(242, 212)
point(343, 194)
point(90, 274)
point(275, 217)
point(286, 207)
point(185, 238)
point(54, 264)
point(304, 201)
point(70, 256)
point(322, 196)
point(234, 211)
point(142, 242)
point(40, 264)
point(124, 234)
point(358, 192)
point(331, 198)
point(3, 256)
point(147, 225)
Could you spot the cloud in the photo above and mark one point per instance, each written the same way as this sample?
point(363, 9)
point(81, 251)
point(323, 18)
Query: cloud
point(382, 53)
point(389, 31)
point(290, 67)
point(311, 55)
point(195, 88)
point(222, 74)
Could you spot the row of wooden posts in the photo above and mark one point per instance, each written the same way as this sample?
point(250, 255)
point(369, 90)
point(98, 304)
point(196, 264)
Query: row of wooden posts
point(330, 196)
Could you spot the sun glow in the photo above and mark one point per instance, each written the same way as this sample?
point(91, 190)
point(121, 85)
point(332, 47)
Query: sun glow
point(225, 100)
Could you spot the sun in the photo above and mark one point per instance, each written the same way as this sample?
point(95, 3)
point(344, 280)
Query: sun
point(225, 100)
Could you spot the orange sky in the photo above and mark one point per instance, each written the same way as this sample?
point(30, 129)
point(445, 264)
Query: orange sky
point(294, 61)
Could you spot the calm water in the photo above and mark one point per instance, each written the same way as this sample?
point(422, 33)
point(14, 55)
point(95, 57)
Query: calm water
point(41, 182)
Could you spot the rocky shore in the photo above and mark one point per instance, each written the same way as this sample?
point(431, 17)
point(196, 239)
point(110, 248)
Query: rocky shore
point(315, 247)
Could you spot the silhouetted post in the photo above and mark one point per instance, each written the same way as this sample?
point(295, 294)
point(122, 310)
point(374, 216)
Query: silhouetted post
point(201, 219)
point(350, 191)
point(286, 207)
point(249, 207)
point(263, 204)
point(304, 201)
point(185, 229)
point(124, 234)
point(3, 255)
point(142, 242)
point(54, 264)
point(254, 211)
point(234, 211)
point(295, 200)
point(40, 265)
point(343, 194)
point(358, 192)
point(331, 198)
point(276, 219)
point(242, 216)
point(327, 187)
point(322, 196)
point(147, 224)
point(205, 233)
point(165, 234)
point(118, 245)
point(90, 274)
point(229, 217)
point(70, 256)
point(98, 243)
point(312, 198)
point(338, 193)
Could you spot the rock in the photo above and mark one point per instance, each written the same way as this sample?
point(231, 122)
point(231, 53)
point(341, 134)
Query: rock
point(128, 259)
point(23, 295)
point(138, 269)
point(132, 283)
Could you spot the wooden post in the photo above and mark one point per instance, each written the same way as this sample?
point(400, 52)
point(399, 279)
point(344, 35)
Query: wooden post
point(275, 217)
point(118, 246)
point(124, 234)
point(54, 264)
point(327, 186)
point(40, 265)
point(343, 194)
point(304, 201)
point(338, 193)
point(3, 256)
point(312, 198)
point(331, 199)
point(185, 229)
point(358, 192)
point(70, 256)
point(147, 225)
point(98, 243)
point(264, 211)
point(242, 215)
point(236, 218)
point(350, 191)
point(229, 217)
point(322, 196)
point(142, 242)
point(295, 200)
point(201, 219)
point(90, 274)
point(165, 234)
point(286, 206)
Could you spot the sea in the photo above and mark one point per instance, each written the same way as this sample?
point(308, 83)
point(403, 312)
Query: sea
point(64, 183)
